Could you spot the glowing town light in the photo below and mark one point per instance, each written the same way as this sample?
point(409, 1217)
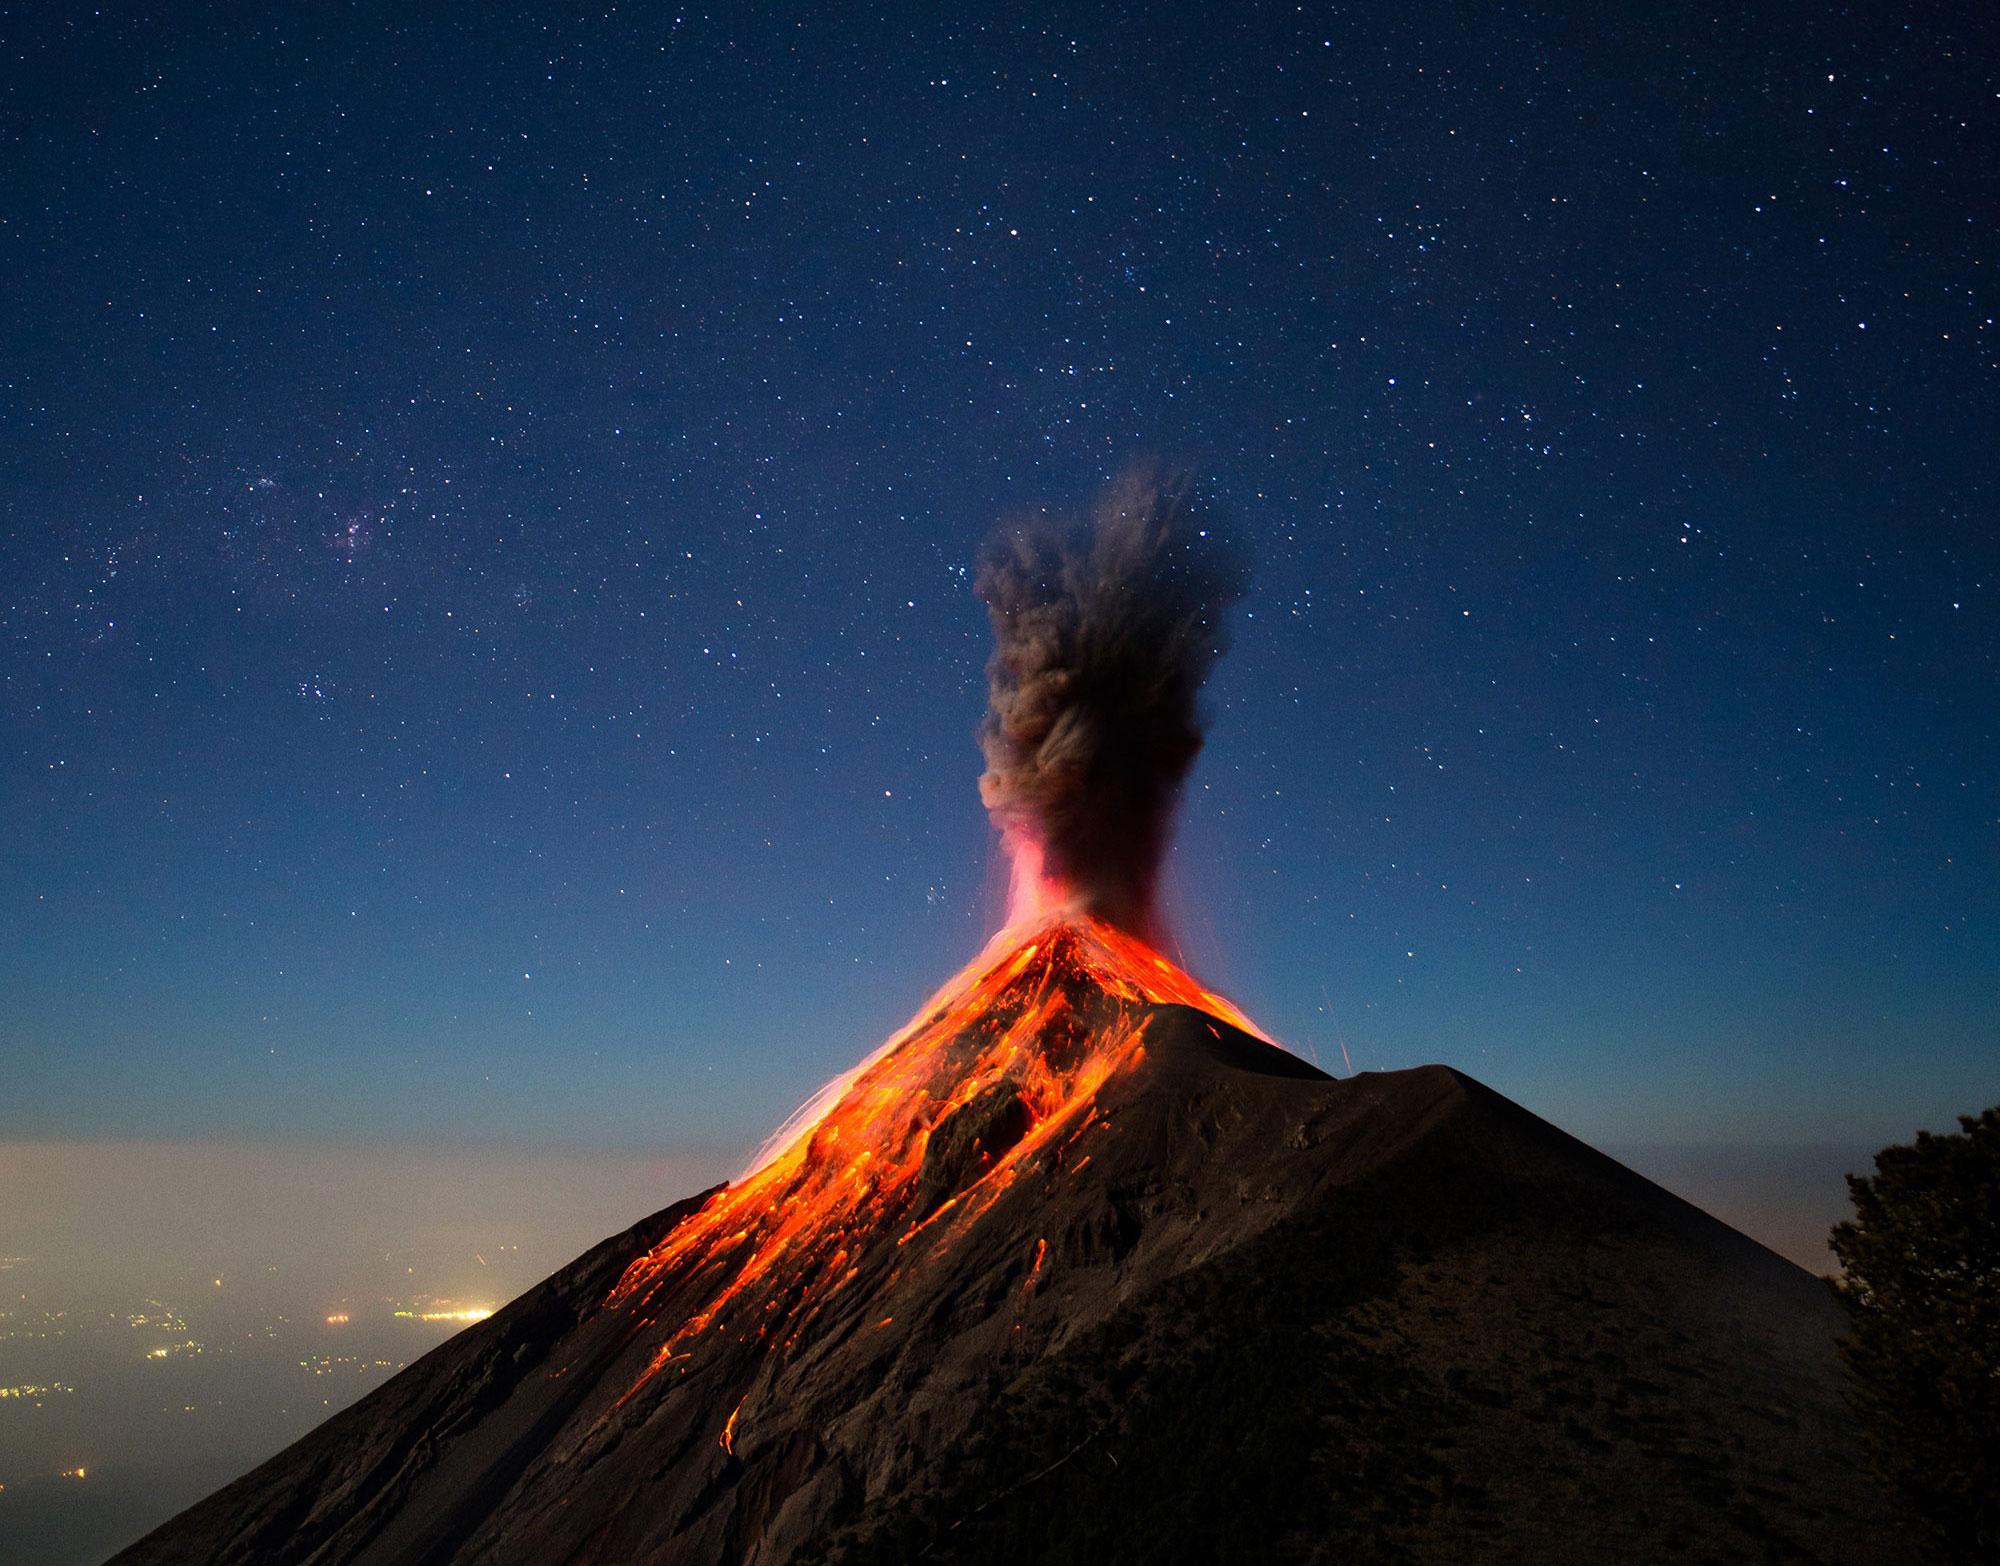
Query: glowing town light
point(474, 1313)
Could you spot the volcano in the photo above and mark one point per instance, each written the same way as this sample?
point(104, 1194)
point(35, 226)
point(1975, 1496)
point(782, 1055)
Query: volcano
point(1081, 1267)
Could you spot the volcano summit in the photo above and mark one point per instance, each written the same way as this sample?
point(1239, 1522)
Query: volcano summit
point(1081, 1267)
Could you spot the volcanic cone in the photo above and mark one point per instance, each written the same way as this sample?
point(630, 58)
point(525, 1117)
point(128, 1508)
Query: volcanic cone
point(1080, 1268)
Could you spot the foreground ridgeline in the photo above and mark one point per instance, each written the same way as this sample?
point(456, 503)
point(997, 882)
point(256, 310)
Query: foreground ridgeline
point(1079, 1268)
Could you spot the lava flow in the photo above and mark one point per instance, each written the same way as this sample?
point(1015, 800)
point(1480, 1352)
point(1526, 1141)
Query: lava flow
point(921, 1138)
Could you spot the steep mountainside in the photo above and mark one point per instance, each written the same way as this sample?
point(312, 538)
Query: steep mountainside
point(1076, 1269)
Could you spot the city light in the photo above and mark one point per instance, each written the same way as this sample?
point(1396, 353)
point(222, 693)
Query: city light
point(32, 1390)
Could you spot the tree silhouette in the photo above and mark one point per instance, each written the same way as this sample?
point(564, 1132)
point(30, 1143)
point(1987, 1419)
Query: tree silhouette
point(1922, 1288)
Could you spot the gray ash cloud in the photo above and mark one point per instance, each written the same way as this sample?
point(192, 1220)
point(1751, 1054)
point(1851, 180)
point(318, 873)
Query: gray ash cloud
point(1104, 631)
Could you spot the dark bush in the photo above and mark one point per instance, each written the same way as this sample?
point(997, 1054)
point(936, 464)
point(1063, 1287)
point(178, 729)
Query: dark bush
point(1922, 1286)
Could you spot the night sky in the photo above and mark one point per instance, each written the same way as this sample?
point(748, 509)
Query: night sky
point(488, 499)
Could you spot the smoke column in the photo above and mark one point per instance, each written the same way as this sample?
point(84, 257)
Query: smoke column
point(1103, 635)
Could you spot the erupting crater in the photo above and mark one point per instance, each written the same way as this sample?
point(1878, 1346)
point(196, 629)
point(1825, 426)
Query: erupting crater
point(997, 1074)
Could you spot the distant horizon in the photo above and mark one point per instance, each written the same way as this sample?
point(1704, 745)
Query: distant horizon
point(1773, 1192)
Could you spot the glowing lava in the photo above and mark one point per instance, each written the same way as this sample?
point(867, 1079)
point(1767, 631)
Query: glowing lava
point(893, 1159)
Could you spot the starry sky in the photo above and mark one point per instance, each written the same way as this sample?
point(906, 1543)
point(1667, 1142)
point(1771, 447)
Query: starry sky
point(488, 497)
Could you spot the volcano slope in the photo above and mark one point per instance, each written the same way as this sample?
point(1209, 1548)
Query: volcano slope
point(1077, 1268)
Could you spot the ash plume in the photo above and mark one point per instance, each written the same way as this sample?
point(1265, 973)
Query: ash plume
point(1103, 635)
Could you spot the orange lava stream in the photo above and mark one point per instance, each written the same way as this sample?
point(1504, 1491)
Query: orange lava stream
point(1026, 1036)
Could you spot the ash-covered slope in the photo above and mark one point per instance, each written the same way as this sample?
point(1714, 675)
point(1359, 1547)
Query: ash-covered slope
point(1077, 1270)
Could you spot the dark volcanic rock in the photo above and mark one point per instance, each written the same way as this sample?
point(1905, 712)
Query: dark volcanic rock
point(969, 1142)
point(1265, 1316)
